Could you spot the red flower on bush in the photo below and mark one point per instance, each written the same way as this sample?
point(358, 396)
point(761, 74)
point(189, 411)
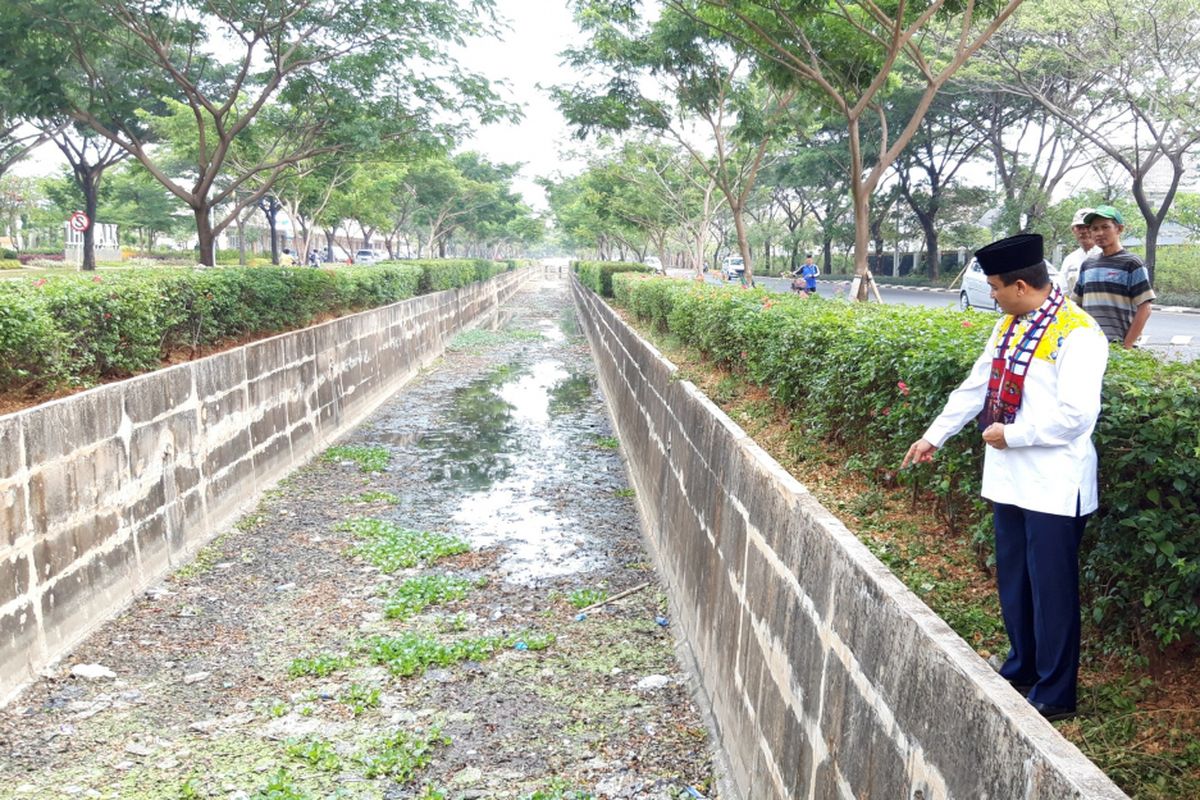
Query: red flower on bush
point(39, 282)
point(903, 387)
point(95, 279)
point(107, 315)
point(886, 410)
point(966, 323)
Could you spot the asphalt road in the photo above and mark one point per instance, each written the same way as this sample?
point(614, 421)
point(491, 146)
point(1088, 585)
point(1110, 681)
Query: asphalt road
point(1172, 332)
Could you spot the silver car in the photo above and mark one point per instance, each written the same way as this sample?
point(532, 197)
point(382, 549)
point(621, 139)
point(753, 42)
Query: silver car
point(976, 293)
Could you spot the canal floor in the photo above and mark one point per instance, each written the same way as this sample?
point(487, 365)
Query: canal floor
point(416, 614)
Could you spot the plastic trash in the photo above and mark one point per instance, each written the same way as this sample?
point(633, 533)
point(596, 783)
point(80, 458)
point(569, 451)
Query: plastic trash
point(693, 793)
point(663, 621)
point(520, 646)
point(580, 617)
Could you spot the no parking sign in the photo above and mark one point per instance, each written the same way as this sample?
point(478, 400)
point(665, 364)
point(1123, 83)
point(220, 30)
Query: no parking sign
point(79, 222)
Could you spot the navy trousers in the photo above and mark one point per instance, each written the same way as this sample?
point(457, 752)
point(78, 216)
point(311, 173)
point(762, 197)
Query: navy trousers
point(1037, 573)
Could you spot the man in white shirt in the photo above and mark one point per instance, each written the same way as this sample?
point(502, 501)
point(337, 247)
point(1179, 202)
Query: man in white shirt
point(1087, 249)
point(1036, 392)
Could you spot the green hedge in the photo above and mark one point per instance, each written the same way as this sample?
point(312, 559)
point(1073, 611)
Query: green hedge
point(598, 275)
point(873, 377)
point(450, 273)
point(77, 329)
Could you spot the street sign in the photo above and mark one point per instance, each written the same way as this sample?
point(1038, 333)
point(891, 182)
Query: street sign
point(79, 222)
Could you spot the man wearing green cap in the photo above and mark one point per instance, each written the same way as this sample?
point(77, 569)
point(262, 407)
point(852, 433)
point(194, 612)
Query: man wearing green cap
point(1114, 287)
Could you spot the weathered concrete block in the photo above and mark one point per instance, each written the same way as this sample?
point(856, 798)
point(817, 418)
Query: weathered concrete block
point(14, 518)
point(148, 397)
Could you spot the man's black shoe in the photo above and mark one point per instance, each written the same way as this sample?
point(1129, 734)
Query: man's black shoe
point(1053, 713)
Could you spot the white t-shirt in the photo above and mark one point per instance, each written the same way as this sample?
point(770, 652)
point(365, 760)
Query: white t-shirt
point(1050, 460)
point(1071, 265)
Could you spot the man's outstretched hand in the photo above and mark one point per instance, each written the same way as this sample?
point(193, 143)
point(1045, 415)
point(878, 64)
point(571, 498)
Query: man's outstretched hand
point(920, 452)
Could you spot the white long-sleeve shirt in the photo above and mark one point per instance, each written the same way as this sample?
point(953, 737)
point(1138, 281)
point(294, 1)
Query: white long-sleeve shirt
point(1050, 461)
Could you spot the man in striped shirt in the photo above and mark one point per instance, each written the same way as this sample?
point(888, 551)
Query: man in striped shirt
point(1114, 287)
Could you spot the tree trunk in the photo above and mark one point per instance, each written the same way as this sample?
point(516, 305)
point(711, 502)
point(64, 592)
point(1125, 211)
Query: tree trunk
point(205, 239)
point(739, 227)
point(1153, 226)
point(89, 183)
point(827, 254)
point(270, 208)
point(241, 233)
point(932, 256)
point(862, 238)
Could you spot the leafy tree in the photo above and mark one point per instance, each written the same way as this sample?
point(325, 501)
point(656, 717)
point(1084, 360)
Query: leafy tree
point(669, 77)
point(1137, 86)
point(341, 71)
point(844, 54)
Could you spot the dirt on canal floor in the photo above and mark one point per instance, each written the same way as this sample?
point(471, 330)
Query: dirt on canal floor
point(401, 618)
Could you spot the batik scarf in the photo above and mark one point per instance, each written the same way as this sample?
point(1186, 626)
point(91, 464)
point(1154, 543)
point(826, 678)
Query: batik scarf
point(1010, 362)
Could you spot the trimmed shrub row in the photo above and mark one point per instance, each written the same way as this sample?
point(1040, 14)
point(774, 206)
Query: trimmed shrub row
point(873, 377)
point(598, 275)
point(81, 329)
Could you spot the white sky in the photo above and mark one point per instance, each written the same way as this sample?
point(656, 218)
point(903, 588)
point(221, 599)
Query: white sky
point(528, 55)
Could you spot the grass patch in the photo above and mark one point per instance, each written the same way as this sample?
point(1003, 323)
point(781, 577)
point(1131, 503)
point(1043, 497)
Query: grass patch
point(582, 598)
point(321, 665)
point(368, 459)
point(559, 790)
point(316, 753)
point(417, 594)
point(208, 556)
point(279, 786)
point(608, 442)
point(359, 698)
point(401, 755)
point(374, 496)
point(391, 547)
point(476, 340)
point(412, 653)
point(626, 492)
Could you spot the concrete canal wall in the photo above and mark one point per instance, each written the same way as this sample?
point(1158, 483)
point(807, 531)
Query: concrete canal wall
point(103, 492)
point(823, 675)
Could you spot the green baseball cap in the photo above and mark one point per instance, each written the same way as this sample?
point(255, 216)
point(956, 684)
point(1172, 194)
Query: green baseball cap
point(1104, 212)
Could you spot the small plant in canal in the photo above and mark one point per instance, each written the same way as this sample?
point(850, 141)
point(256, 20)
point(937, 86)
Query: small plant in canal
point(559, 790)
point(391, 547)
point(315, 752)
point(400, 755)
point(369, 459)
point(412, 653)
point(608, 442)
point(359, 698)
point(626, 492)
point(582, 598)
point(321, 665)
point(279, 787)
point(374, 497)
point(417, 594)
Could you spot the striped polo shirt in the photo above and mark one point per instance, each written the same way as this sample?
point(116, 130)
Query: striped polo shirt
point(1111, 288)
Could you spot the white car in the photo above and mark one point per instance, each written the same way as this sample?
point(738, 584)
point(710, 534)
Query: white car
point(976, 293)
point(367, 257)
point(655, 263)
point(733, 267)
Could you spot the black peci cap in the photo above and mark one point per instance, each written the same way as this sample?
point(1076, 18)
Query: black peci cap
point(1008, 255)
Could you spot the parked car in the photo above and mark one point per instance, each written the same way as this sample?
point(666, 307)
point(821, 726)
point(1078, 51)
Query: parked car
point(976, 293)
point(367, 257)
point(733, 267)
point(655, 263)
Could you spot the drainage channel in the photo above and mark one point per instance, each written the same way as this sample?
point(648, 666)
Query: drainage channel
point(431, 627)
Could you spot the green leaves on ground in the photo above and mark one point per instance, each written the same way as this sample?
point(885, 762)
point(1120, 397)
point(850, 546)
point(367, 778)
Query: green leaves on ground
point(391, 547)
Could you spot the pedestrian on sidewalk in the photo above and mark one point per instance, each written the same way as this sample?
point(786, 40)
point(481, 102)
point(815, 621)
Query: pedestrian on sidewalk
point(1087, 249)
point(1035, 391)
point(1114, 287)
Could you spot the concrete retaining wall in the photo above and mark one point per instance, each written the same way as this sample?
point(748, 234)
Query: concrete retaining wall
point(823, 675)
point(101, 493)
